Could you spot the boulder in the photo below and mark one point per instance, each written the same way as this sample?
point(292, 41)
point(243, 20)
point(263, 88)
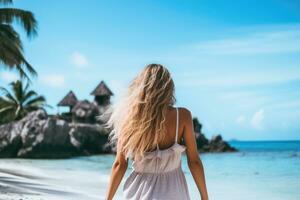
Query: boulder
point(46, 139)
point(10, 134)
point(216, 139)
point(89, 139)
point(40, 136)
point(217, 144)
point(85, 112)
point(10, 139)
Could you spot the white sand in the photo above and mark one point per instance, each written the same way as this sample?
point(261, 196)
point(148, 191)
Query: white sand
point(28, 183)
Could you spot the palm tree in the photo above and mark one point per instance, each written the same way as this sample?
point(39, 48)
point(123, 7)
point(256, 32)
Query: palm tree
point(11, 48)
point(18, 101)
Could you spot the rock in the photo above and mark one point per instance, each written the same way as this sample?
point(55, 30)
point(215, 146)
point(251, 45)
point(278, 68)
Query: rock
point(217, 144)
point(10, 140)
point(202, 141)
point(10, 134)
point(85, 112)
point(104, 115)
point(110, 148)
point(40, 136)
point(197, 125)
point(89, 139)
point(46, 139)
point(216, 139)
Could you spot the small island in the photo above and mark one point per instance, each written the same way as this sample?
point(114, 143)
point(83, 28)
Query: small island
point(77, 132)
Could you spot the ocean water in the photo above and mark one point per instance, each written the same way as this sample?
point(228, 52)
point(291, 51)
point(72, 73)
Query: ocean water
point(263, 170)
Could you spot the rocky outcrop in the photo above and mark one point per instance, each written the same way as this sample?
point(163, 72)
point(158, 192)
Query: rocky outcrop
point(40, 136)
point(202, 141)
point(216, 144)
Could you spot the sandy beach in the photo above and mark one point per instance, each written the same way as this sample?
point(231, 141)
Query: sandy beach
point(260, 171)
point(32, 183)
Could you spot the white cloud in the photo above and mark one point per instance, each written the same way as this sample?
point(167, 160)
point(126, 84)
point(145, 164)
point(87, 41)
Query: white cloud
point(241, 119)
point(53, 80)
point(9, 76)
point(257, 119)
point(282, 41)
point(79, 60)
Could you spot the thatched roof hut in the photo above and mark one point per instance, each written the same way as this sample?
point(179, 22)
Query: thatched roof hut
point(69, 100)
point(102, 90)
point(102, 94)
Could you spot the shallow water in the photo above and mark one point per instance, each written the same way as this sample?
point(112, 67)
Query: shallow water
point(260, 171)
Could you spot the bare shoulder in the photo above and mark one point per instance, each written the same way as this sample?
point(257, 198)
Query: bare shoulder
point(185, 114)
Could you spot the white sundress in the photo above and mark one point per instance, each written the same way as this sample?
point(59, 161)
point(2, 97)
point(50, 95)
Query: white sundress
point(158, 176)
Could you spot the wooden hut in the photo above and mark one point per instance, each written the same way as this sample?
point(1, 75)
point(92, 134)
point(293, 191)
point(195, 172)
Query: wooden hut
point(102, 94)
point(69, 100)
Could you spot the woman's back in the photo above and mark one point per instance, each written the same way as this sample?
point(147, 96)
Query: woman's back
point(171, 126)
point(158, 175)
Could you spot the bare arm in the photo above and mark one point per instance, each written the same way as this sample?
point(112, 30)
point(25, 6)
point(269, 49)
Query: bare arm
point(118, 170)
point(194, 161)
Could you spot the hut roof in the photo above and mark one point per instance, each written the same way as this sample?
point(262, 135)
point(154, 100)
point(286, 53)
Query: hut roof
point(69, 100)
point(102, 90)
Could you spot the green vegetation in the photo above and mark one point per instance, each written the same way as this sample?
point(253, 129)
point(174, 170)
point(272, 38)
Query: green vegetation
point(18, 101)
point(11, 48)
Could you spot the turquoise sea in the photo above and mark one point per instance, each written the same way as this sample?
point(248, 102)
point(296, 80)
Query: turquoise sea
point(261, 170)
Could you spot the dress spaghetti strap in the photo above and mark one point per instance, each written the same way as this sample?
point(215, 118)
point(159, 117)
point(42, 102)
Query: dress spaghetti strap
point(177, 123)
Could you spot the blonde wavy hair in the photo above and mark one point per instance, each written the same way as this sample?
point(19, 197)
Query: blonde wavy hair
point(137, 121)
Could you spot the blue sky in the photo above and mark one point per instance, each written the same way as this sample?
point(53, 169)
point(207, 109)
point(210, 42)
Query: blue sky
point(236, 64)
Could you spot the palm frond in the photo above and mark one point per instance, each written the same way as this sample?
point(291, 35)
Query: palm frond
point(18, 101)
point(18, 111)
point(29, 68)
point(6, 103)
point(36, 101)
point(11, 52)
point(26, 87)
point(8, 33)
point(29, 95)
point(11, 49)
point(25, 18)
point(5, 109)
point(6, 1)
point(17, 88)
point(8, 95)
